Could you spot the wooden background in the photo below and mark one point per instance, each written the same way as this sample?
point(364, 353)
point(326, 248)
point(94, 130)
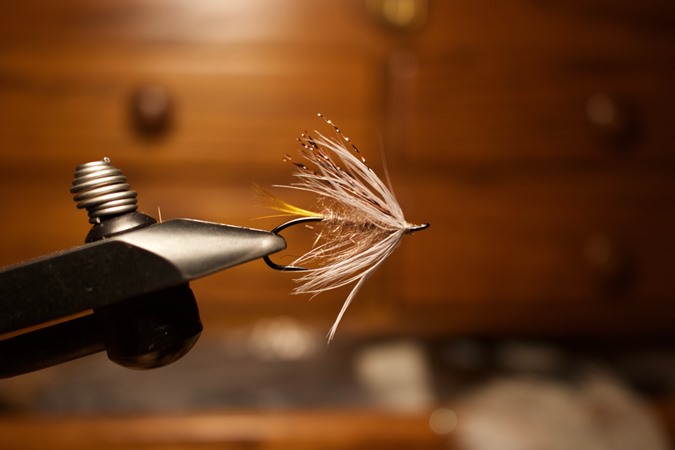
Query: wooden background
point(536, 137)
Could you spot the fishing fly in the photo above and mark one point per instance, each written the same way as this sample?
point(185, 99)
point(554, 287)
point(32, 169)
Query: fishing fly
point(362, 221)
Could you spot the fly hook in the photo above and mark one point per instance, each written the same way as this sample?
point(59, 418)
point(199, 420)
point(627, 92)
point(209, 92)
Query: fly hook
point(282, 227)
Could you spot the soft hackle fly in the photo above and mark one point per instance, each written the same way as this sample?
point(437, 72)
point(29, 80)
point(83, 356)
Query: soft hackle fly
point(363, 222)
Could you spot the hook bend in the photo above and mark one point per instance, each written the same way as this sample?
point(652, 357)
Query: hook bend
point(282, 227)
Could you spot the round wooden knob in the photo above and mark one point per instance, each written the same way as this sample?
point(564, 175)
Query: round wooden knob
point(613, 119)
point(611, 263)
point(152, 110)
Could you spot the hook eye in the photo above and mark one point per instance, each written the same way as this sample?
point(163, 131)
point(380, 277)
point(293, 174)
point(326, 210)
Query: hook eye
point(282, 227)
point(416, 228)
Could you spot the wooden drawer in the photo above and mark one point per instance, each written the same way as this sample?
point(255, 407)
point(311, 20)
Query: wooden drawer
point(235, 107)
point(513, 84)
point(583, 243)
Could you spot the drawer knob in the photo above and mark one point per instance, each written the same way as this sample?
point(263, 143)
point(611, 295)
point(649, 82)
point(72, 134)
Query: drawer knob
point(614, 120)
point(152, 110)
point(611, 262)
point(401, 15)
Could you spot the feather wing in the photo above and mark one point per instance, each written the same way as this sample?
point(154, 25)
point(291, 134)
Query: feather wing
point(363, 222)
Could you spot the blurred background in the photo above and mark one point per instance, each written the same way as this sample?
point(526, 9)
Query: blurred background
point(537, 138)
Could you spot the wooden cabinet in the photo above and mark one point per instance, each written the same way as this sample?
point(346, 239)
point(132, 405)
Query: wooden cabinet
point(528, 134)
point(537, 139)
